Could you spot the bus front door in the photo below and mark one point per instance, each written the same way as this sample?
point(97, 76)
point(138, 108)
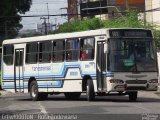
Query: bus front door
point(18, 70)
point(101, 66)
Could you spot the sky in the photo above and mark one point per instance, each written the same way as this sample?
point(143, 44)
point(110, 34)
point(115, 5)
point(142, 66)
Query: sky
point(39, 7)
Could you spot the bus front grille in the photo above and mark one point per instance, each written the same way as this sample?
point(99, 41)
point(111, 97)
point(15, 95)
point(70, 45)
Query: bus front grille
point(136, 81)
point(136, 88)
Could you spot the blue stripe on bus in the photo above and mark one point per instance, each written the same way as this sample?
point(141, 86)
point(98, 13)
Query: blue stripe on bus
point(51, 84)
point(63, 73)
point(109, 74)
point(58, 83)
point(49, 76)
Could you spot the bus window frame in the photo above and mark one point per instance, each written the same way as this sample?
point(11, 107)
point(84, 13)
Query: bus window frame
point(9, 54)
point(41, 42)
point(34, 52)
point(66, 50)
point(53, 41)
point(94, 49)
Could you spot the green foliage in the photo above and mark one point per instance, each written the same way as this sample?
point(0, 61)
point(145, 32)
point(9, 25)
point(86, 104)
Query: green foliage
point(12, 8)
point(129, 20)
point(156, 34)
point(80, 25)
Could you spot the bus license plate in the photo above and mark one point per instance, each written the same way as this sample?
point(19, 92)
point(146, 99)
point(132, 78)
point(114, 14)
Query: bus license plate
point(120, 88)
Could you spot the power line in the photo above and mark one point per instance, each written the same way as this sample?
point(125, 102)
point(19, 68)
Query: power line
point(25, 16)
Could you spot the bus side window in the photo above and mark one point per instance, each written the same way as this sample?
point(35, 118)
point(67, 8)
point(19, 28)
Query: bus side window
point(8, 52)
point(58, 51)
point(32, 52)
point(45, 49)
point(87, 49)
point(72, 50)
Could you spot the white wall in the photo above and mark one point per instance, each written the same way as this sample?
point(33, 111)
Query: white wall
point(154, 16)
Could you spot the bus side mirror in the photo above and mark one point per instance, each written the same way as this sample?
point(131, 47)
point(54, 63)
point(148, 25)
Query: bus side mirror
point(105, 48)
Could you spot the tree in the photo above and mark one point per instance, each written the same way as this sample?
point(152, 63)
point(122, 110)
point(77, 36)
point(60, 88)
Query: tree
point(10, 18)
point(128, 20)
point(80, 25)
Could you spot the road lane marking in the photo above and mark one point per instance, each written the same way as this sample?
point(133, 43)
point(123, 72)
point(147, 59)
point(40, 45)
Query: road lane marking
point(42, 108)
point(141, 107)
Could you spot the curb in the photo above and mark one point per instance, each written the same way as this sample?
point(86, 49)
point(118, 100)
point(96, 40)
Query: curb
point(3, 92)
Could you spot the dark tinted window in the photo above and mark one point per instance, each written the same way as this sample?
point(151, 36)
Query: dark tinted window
point(58, 51)
point(8, 52)
point(87, 48)
point(31, 52)
point(19, 58)
point(72, 50)
point(45, 49)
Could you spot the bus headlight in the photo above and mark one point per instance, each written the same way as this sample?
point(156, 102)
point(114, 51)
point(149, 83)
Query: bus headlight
point(153, 81)
point(118, 81)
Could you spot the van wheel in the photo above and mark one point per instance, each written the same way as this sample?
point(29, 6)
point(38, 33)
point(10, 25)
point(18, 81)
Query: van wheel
point(72, 95)
point(35, 95)
point(132, 96)
point(90, 90)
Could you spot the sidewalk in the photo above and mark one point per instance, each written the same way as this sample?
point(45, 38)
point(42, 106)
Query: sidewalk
point(3, 92)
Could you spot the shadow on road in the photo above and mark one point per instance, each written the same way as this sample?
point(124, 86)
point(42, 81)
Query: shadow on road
point(97, 99)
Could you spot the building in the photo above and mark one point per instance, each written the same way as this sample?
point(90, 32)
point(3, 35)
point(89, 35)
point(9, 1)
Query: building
point(103, 8)
point(72, 10)
point(153, 12)
point(123, 5)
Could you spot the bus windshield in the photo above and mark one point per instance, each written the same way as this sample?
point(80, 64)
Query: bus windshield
point(131, 55)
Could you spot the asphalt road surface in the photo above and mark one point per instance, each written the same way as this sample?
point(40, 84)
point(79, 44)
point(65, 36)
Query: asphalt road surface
point(56, 107)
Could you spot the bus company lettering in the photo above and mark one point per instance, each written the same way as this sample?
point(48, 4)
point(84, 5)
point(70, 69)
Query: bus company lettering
point(73, 73)
point(91, 64)
point(45, 68)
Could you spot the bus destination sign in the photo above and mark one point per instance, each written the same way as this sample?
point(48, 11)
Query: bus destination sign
point(130, 33)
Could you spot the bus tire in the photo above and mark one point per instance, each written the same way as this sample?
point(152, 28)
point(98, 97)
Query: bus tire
point(34, 94)
point(72, 95)
point(133, 96)
point(90, 90)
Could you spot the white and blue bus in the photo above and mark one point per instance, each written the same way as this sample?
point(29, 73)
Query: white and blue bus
point(96, 62)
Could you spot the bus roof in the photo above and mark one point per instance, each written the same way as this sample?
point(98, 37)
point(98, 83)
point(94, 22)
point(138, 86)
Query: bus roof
point(62, 36)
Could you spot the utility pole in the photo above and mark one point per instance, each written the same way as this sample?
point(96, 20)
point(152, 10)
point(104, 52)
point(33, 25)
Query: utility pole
point(48, 12)
point(45, 25)
point(6, 29)
point(100, 10)
point(55, 23)
point(46, 28)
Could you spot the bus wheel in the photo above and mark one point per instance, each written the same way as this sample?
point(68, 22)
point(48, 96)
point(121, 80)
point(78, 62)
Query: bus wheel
point(90, 90)
point(35, 96)
point(72, 95)
point(132, 96)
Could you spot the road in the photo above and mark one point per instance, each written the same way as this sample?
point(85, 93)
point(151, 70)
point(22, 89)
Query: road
point(108, 107)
